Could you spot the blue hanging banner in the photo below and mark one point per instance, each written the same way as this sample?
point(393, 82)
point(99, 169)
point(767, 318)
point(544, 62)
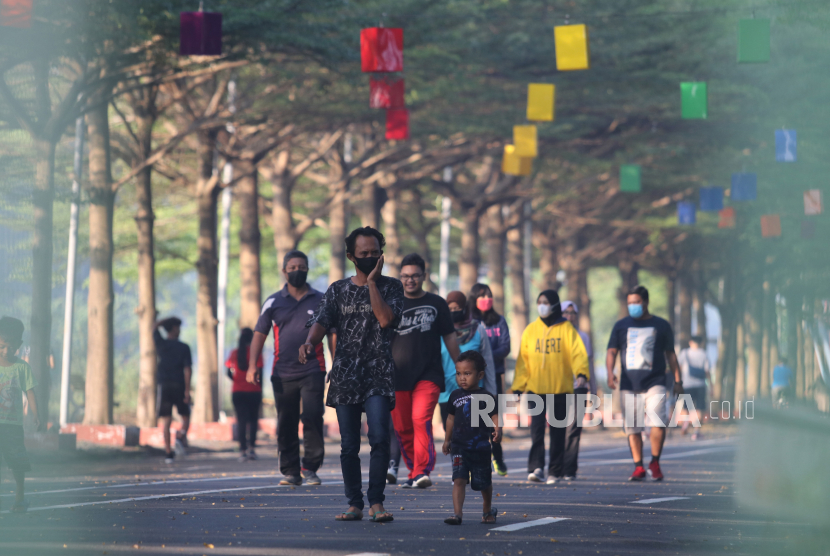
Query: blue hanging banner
point(685, 213)
point(785, 145)
point(744, 187)
point(711, 199)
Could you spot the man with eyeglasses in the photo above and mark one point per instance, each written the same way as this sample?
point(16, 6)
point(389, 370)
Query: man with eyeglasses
point(419, 374)
point(287, 312)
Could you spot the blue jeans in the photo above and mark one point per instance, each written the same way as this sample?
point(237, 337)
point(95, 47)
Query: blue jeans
point(378, 418)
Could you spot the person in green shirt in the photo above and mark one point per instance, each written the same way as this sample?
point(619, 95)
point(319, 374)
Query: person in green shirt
point(15, 378)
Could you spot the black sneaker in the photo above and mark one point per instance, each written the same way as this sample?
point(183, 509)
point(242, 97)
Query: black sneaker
point(310, 477)
point(422, 481)
point(291, 480)
point(409, 484)
point(170, 457)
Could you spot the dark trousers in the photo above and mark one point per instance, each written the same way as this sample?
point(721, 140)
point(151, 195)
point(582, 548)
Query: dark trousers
point(572, 436)
point(394, 447)
point(538, 425)
point(377, 417)
point(246, 406)
point(498, 454)
point(288, 394)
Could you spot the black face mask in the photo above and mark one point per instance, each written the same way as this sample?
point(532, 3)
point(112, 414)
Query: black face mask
point(457, 316)
point(366, 265)
point(297, 278)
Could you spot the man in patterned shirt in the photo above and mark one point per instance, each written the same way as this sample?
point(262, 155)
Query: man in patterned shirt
point(365, 310)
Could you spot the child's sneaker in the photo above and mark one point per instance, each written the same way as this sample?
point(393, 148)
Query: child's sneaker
point(500, 467)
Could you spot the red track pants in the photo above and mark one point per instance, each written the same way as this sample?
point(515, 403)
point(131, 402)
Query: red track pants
point(412, 419)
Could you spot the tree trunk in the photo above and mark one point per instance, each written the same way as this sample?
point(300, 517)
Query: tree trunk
point(99, 357)
point(518, 298)
point(684, 331)
point(740, 365)
point(422, 238)
point(146, 409)
point(774, 346)
point(495, 256)
point(728, 349)
point(583, 301)
point(793, 324)
point(392, 251)
point(469, 260)
point(338, 222)
point(370, 206)
point(699, 306)
point(754, 339)
point(282, 219)
point(250, 241)
point(809, 354)
point(206, 406)
point(629, 275)
point(548, 262)
point(766, 339)
point(671, 302)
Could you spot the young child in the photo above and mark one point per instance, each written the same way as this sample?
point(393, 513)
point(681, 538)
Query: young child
point(15, 378)
point(469, 445)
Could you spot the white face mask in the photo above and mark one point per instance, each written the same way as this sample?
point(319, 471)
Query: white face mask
point(544, 310)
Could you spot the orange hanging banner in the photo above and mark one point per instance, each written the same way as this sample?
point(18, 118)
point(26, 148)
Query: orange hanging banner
point(727, 218)
point(771, 225)
point(16, 13)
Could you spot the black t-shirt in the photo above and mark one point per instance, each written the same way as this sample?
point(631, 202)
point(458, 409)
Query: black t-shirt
point(416, 345)
point(465, 437)
point(642, 345)
point(173, 357)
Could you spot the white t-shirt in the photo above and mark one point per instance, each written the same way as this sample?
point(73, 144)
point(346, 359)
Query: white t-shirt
point(694, 364)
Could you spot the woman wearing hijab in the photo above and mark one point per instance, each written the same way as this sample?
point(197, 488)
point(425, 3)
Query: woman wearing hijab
point(551, 354)
point(481, 309)
point(471, 337)
point(247, 397)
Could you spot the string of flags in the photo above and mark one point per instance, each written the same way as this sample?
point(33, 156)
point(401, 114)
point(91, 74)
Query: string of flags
point(16, 13)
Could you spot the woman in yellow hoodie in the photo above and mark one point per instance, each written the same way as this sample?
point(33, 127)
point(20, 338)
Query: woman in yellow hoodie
point(550, 357)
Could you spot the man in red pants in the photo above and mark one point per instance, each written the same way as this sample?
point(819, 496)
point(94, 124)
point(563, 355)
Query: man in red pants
point(419, 375)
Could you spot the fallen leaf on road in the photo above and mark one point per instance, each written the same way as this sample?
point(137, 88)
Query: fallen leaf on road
point(208, 545)
point(401, 507)
point(524, 515)
point(614, 531)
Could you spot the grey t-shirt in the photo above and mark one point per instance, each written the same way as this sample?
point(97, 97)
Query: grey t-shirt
point(694, 364)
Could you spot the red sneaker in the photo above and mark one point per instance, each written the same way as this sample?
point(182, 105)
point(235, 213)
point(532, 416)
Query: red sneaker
point(654, 471)
point(639, 474)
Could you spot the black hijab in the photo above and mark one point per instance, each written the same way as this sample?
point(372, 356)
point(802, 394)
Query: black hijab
point(555, 316)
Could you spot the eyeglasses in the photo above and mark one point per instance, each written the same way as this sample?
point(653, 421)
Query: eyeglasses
point(407, 277)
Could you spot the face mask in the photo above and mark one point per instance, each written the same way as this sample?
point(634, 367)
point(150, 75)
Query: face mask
point(297, 278)
point(636, 311)
point(457, 316)
point(544, 310)
point(484, 303)
point(366, 265)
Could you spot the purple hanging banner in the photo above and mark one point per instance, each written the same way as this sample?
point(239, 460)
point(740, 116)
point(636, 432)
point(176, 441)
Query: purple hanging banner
point(200, 34)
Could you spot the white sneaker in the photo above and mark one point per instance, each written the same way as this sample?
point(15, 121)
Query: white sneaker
point(423, 481)
point(569, 477)
point(538, 476)
point(552, 480)
point(392, 474)
point(179, 448)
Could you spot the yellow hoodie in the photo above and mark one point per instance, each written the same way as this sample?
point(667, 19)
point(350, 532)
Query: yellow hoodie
point(549, 359)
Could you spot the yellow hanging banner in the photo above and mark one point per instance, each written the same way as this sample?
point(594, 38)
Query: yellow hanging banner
point(540, 102)
point(513, 164)
point(571, 47)
point(524, 139)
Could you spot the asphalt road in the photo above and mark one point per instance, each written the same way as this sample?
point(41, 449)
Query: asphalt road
point(208, 503)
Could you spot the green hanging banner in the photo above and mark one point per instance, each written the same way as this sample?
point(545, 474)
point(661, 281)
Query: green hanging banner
point(630, 178)
point(694, 101)
point(753, 41)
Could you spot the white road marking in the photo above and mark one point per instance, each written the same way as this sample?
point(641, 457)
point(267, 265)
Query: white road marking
point(370, 554)
point(525, 525)
point(160, 496)
point(663, 457)
point(655, 500)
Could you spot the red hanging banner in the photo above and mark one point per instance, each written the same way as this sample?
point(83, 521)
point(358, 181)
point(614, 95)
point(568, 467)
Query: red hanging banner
point(770, 225)
point(397, 124)
point(384, 93)
point(200, 34)
point(381, 49)
point(16, 13)
point(727, 218)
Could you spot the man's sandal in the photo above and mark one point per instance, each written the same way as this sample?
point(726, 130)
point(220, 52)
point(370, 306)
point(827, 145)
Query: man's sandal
point(453, 520)
point(492, 513)
point(349, 516)
point(381, 517)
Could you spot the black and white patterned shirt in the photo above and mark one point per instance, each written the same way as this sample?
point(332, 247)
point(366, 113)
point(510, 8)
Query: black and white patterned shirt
point(363, 364)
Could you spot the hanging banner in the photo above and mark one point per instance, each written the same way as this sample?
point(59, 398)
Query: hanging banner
point(200, 34)
point(770, 225)
point(397, 124)
point(812, 202)
point(744, 187)
point(686, 213)
point(694, 102)
point(525, 141)
point(384, 93)
point(16, 13)
point(753, 41)
point(727, 218)
point(711, 199)
point(515, 165)
point(785, 145)
point(540, 102)
point(571, 43)
point(381, 49)
point(630, 178)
